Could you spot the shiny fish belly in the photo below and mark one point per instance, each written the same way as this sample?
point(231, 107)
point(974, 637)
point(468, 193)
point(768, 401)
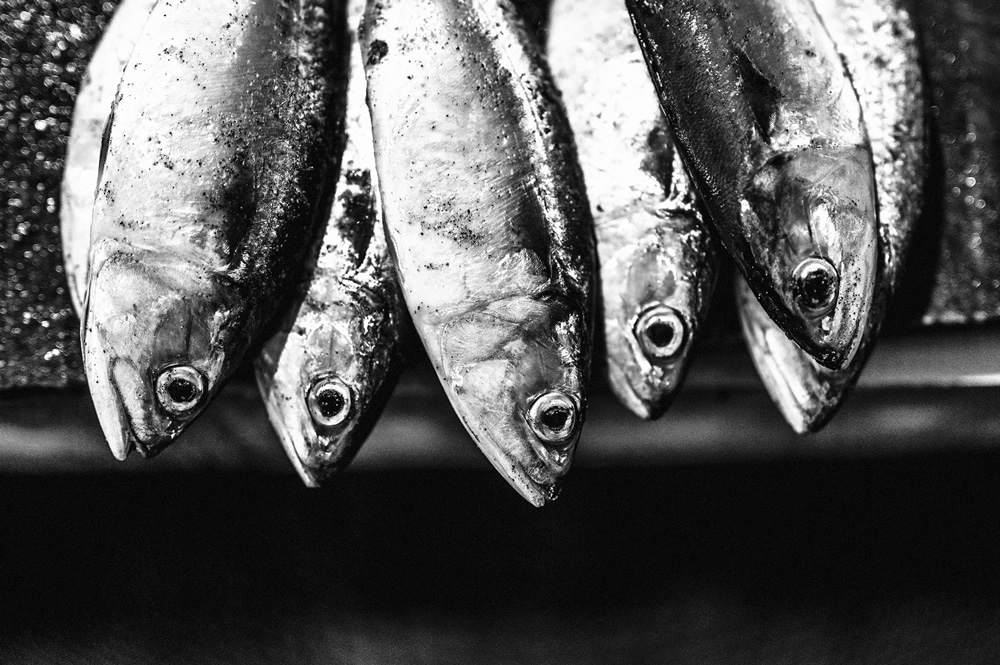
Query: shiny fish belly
point(879, 45)
point(657, 260)
point(215, 174)
point(44, 54)
point(325, 376)
point(771, 129)
point(488, 224)
point(93, 105)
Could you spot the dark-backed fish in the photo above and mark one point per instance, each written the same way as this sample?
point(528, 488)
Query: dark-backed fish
point(770, 128)
point(325, 376)
point(215, 175)
point(657, 260)
point(488, 224)
point(879, 44)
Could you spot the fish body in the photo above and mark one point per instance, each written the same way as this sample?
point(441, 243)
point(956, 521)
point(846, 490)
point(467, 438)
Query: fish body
point(214, 178)
point(93, 105)
point(879, 43)
point(325, 375)
point(770, 127)
point(488, 224)
point(657, 259)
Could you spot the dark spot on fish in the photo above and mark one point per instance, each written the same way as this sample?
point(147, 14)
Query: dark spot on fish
point(378, 50)
point(330, 403)
point(810, 53)
point(555, 417)
point(761, 95)
point(181, 391)
point(660, 333)
point(658, 162)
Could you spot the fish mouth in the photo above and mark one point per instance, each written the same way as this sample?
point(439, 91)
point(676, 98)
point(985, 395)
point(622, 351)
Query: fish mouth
point(153, 352)
point(806, 394)
point(512, 370)
point(816, 244)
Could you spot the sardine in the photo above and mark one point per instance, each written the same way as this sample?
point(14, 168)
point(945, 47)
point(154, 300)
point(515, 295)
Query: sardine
point(93, 104)
point(325, 376)
point(879, 45)
point(216, 172)
point(488, 224)
point(770, 128)
point(657, 260)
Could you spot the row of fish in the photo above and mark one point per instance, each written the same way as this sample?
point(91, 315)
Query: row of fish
point(266, 171)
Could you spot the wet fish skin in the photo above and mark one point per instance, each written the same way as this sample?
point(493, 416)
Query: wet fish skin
point(215, 181)
point(770, 128)
point(488, 224)
point(658, 262)
point(879, 43)
point(90, 113)
point(339, 343)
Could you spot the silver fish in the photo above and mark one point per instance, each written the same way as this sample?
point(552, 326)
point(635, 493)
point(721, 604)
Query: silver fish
point(771, 130)
point(488, 224)
point(657, 260)
point(326, 374)
point(879, 45)
point(215, 173)
point(93, 104)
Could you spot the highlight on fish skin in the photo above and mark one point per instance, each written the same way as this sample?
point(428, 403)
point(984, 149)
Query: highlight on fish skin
point(216, 156)
point(488, 224)
point(326, 374)
point(90, 113)
point(771, 129)
point(657, 259)
point(879, 45)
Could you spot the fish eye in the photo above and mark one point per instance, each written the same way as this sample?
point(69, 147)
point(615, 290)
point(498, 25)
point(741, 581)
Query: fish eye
point(661, 332)
point(179, 389)
point(330, 401)
point(814, 286)
point(553, 417)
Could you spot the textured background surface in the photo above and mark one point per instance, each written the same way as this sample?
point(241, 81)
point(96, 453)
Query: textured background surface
point(44, 47)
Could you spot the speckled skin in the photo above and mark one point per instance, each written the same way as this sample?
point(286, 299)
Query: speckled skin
point(45, 47)
point(653, 245)
point(879, 45)
point(487, 219)
point(348, 321)
point(770, 127)
point(93, 104)
point(216, 175)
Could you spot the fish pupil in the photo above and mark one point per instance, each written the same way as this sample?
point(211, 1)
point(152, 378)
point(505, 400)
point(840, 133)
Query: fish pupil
point(660, 333)
point(182, 391)
point(555, 417)
point(816, 289)
point(330, 403)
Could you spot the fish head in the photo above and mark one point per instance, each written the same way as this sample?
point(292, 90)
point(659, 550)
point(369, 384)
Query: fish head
point(655, 292)
point(816, 214)
point(157, 345)
point(326, 377)
point(515, 372)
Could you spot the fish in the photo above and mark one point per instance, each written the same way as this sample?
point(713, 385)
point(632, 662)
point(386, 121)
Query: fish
point(488, 225)
point(216, 172)
point(326, 374)
point(771, 130)
point(657, 259)
point(90, 114)
point(878, 40)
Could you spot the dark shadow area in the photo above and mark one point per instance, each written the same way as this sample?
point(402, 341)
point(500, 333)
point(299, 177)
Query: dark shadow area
point(874, 561)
